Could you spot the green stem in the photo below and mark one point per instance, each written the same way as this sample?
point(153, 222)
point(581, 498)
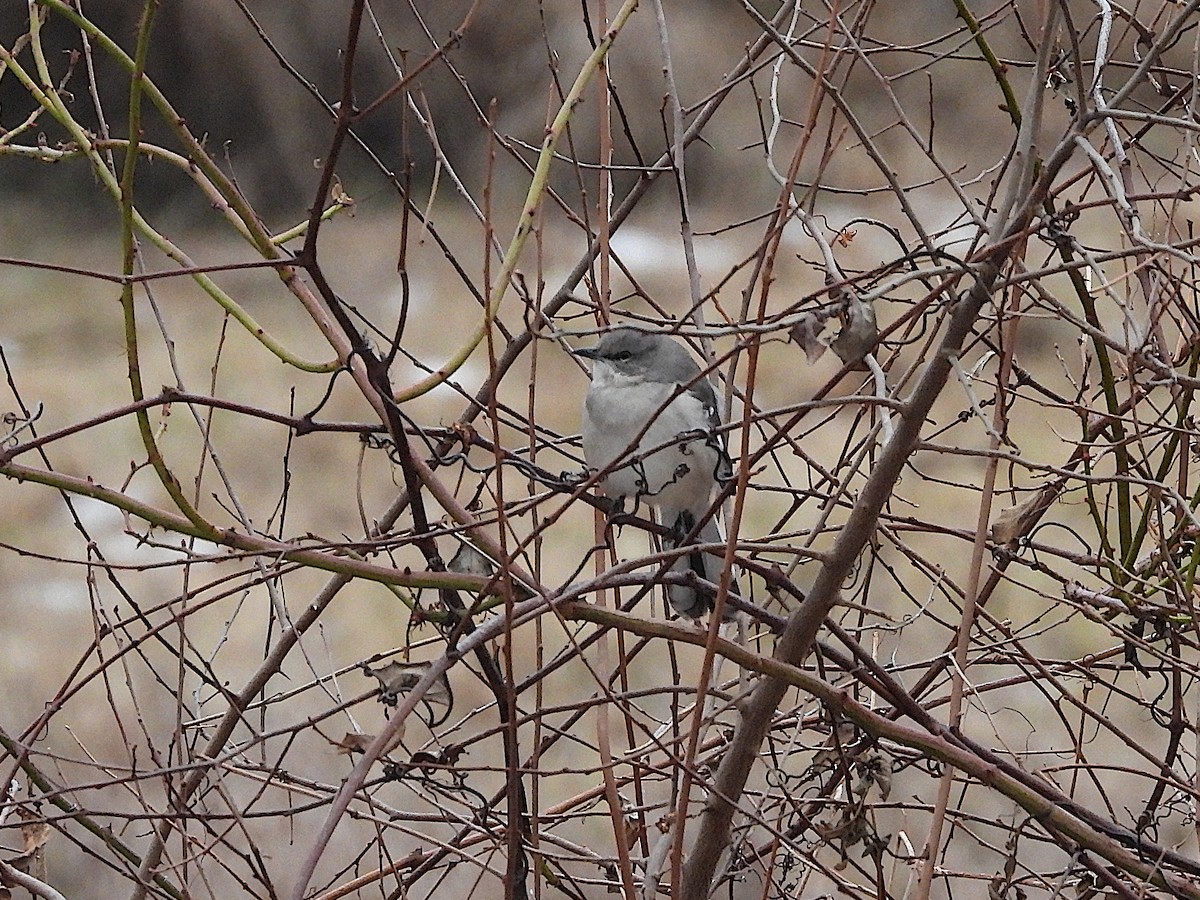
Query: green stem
point(339, 561)
point(48, 99)
point(533, 202)
point(129, 251)
point(1108, 383)
point(51, 155)
point(251, 227)
point(998, 68)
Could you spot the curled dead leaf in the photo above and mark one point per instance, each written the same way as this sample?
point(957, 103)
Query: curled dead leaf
point(859, 332)
point(469, 561)
point(356, 742)
point(1011, 523)
point(807, 333)
point(396, 678)
point(34, 830)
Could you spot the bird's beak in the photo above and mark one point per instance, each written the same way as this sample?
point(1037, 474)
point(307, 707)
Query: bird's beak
point(585, 352)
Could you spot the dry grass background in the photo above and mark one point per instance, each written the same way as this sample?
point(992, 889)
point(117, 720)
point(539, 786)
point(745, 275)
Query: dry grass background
point(62, 337)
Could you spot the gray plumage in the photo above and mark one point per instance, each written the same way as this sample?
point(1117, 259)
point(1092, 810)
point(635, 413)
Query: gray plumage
point(649, 424)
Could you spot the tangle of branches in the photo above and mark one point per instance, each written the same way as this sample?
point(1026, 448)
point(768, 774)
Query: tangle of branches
point(305, 590)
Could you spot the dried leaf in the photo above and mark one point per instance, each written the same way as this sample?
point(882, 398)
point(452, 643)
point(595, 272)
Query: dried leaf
point(395, 678)
point(427, 762)
point(807, 333)
point(859, 333)
point(1010, 524)
point(875, 769)
point(34, 831)
point(338, 193)
point(469, 561)
point(352, 742)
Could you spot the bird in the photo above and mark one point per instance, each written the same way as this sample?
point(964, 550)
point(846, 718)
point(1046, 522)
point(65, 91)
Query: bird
point(651, 428)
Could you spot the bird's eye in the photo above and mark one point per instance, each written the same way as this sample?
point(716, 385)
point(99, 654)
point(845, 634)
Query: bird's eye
point(622, 356)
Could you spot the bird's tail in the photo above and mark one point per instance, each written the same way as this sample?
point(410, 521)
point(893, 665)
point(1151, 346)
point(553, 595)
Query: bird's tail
point(689, 601)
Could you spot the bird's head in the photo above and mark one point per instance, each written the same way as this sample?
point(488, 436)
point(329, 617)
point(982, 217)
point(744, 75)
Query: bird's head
point(629, 354)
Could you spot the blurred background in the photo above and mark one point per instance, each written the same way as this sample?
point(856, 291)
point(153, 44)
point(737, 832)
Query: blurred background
point(125, 665)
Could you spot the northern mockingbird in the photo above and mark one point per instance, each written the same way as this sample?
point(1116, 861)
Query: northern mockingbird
point(650, 426)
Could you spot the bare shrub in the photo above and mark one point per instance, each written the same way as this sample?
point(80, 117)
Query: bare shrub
point(306, 591)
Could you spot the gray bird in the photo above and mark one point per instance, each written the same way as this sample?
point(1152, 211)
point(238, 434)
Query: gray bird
point(646, 393)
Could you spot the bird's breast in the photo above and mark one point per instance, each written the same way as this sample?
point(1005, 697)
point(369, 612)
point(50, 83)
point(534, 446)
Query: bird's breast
point(648, 439)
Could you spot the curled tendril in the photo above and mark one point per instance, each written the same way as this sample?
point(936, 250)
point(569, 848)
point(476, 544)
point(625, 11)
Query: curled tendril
point(16, 424)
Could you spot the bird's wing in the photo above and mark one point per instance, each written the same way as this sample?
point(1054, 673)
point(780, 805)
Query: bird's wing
point(702, 390)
